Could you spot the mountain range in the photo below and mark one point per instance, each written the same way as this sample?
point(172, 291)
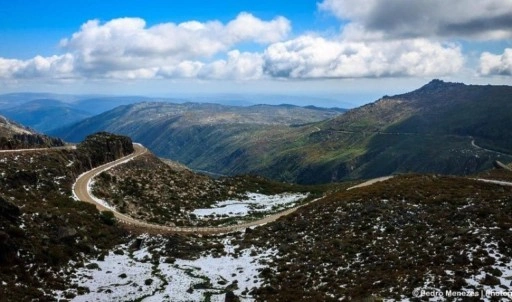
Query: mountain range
point(45, 112)
point(384, 239)
point(442, 127)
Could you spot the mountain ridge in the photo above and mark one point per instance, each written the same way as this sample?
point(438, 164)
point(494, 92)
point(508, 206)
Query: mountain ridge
point(428, 130)
point(56, 248)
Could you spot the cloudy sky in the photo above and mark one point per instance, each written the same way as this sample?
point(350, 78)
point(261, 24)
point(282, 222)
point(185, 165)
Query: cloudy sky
point(350, 50)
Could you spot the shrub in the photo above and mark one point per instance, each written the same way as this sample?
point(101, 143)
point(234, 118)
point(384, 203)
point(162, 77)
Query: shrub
point(107, 217)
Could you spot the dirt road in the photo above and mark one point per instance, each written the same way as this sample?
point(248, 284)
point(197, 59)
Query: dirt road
point(81, 190)
point(69, 147)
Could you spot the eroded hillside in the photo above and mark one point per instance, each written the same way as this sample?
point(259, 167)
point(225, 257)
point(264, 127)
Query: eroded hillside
point(16, 136)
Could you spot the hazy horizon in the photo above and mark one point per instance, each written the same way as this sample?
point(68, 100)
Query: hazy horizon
point(338, 50)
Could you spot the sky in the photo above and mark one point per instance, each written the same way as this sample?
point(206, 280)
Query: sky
point(348, 51)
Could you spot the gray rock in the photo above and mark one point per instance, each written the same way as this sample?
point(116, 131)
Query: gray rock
point(66, 233)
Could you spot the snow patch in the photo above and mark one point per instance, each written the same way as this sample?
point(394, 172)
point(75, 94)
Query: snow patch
point(99, 201)
point(255, 203)
point(122, 277)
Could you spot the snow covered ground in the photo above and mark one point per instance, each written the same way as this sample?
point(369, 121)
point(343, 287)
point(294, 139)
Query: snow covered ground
point(255, 203)
point(138, 275)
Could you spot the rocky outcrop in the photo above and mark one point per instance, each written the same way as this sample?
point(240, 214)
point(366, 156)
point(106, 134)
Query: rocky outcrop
point(28, 141)
point(9, 216)
point(16, 136)
point(103, 147)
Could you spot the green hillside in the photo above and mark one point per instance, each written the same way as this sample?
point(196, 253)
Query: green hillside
point(448, 128)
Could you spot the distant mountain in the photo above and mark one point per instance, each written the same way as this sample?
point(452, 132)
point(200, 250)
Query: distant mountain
point(187, 132)
point(146, 122)
point(10, 100)
point(97, 105)
point(262, 98)
point(45, 111)
point(45, 114)
point(448, 128)
point(48, 111)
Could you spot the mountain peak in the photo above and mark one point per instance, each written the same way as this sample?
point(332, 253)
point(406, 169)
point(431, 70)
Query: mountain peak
point(437, 84)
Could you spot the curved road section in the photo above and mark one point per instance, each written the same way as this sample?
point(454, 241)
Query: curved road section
point(81, 190)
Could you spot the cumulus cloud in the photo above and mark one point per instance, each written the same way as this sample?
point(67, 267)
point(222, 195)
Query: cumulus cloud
point(128, 44)
point(317, 57)
point(9, 66)
point(126, 48)
point(238, 66)
point(185, 69)
point(491, 64)
point(380, 39)
point(472, 19)
point(37, 67)
point(247, 27)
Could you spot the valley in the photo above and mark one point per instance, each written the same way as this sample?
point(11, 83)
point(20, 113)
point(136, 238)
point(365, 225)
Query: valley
point(429, 130)
point(256, 151)
point(108, 219)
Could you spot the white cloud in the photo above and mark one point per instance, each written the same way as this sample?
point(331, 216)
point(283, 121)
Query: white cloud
point(317, 57)
point(9, 66)
point(126, 48)
point(472, 19)
point(127, 44)
point(246, 27)
point(394, 38)
point(53, 67)
point(185, 69)
point(491, 64)
point(238, 66)
point(133, 74)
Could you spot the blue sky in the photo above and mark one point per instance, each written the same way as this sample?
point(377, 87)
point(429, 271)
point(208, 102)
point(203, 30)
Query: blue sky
point(48, 22)
point(352, 51)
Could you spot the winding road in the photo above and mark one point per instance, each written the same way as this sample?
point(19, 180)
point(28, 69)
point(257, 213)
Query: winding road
point(82, 185)
point(81, 191)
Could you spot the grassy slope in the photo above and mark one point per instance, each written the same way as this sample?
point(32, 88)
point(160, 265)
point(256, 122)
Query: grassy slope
point(427, 130)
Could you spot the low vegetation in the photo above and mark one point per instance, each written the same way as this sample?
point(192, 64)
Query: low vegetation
point(385, 240)
point(148, 189)
point(41, 227)
point(428, 130)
